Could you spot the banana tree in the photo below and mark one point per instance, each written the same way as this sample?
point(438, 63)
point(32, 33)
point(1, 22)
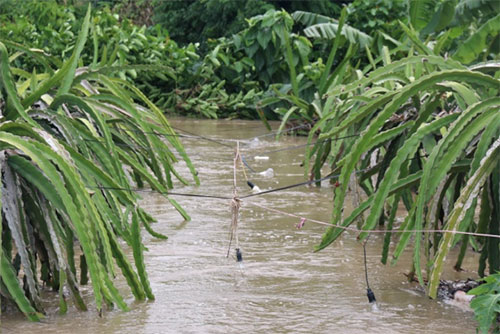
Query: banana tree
point(468, 30)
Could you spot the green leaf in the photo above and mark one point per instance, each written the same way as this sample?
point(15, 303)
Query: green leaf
point(66, 73)
point(420, 12)
point(381, 72)
point(331, 56)
point(332, 233)
point(470, 50)
point(12, 210)
point(407, 150)
point(412, 35)
point(42, 155)
point(441, 18)
point(468, 193)
point(11, 282)
point(138, 255)
point(72, 62)
point(319, 26)
point(7, 82)
point(487, 308)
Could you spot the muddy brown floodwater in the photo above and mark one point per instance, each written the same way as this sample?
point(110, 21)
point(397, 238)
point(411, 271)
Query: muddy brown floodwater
point(281, 286)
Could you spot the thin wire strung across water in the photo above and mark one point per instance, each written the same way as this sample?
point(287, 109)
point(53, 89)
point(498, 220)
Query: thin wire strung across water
point(277, 132)
point(354, 229)
point(221, 141)
point(224, 197)
point(243, 158)
point(169, 193)
point(294, 147)
point(194, 135)
point(305, 183)
point(303, 219)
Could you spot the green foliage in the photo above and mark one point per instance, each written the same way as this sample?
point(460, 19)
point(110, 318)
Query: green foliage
point(220, 17)
point(468, 11)
point(223, 18)
point(268, 41)
point(372, 16)
point(486, 304)
point(429, 129)
point(308, 98)
point(138, 11)
point(475, 45)
point(409, 100)
point(467, 28)
point(184, 75)
point(436, 20)
point(318, 26)
point(64, 135)
point(420, 12)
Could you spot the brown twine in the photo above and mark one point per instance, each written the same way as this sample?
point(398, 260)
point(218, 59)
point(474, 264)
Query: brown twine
point(235, 202)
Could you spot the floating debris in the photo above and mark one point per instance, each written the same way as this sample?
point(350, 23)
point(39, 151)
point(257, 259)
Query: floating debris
point(301, 223)
point(448, 289)
point(267, 173)
point(462, 297)
point(254, 143)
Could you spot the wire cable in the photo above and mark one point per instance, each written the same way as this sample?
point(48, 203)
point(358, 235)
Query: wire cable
point(168, 193)
point(357, 230)
point(369, 292)
point(305, 183)
point(294, 147)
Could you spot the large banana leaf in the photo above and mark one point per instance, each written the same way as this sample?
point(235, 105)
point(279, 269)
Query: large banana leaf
point(468, 10)
point(420, 12)
point(319, 26)
point(478, 41)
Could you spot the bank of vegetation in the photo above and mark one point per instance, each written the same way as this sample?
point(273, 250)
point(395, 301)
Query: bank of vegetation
point(401, 98)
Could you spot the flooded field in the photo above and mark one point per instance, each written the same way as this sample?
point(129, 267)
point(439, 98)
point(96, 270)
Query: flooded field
point(281, 286)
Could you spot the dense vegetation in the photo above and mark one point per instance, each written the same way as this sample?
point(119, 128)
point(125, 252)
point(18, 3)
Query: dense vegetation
point(72, 142)
point(401, 97)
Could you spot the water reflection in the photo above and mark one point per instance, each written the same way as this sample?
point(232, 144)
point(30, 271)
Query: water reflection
point(282, 286)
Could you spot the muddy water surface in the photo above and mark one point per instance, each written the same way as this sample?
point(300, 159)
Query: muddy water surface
point(281, 286)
